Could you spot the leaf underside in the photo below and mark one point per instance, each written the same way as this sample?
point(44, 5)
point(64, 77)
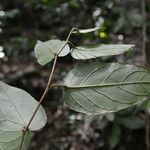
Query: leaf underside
point(86, 30)
point(12, 140)
point(99, 51)
point(98, 88)
point(45, 51)
point(16, 109)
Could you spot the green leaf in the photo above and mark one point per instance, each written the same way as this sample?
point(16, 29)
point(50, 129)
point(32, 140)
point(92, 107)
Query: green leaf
point(98, 88)
point(99, 51)
point(16, 109)
point(147, 106)
point(114, 136)
point(85, 30)
point(128, 111)
point(11, 140)
point(120, 23)
point(132, 122)
point(45, 51)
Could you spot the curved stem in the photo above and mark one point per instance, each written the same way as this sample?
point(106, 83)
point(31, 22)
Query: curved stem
point(45, 92)
point(69, 42)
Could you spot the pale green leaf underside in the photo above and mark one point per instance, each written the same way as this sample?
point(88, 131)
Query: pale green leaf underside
point(99, 51)
point(16, 108)
point(45, 51)
point(86, 30)
point(12, 140)
point(97, 88)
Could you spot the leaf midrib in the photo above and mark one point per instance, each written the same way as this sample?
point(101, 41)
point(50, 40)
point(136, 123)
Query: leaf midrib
point(106, 85)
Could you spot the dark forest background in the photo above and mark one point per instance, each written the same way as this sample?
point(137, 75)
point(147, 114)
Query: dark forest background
point(23, 22)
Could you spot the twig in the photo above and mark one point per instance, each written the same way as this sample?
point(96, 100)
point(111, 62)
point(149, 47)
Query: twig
point(144, 31)
point(145, 60)
point(147, 130)
point(67, 39)
point(45, 92)
point(41, 100)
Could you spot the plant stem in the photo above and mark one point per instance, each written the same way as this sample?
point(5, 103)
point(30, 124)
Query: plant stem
point(69, 42)
point(147, 130)
point(45, 91)
point(70, 33)
point(146, 62)
point(144, 32)
point(67, 39)
point(57, 85)
point(41, 100)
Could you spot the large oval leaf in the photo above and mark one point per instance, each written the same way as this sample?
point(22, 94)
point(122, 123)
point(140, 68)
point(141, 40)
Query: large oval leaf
point(99, 51)
point(16, 109)
point(45, 51)
point(97, 88)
